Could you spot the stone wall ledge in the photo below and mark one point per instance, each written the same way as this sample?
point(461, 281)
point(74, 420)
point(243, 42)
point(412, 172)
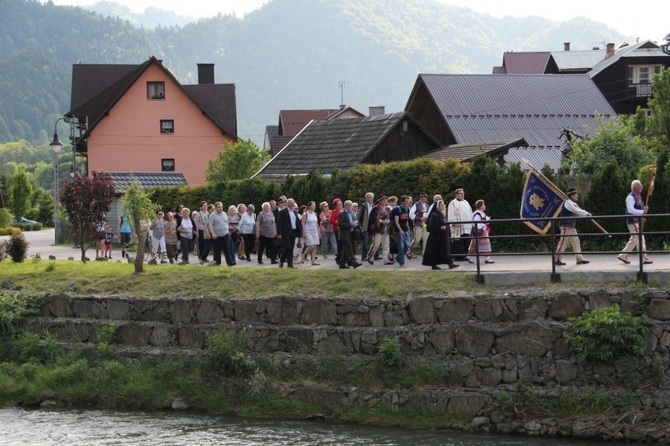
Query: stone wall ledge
point(282, 310)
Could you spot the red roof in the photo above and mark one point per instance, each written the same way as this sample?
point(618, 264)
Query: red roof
point(525, 62)
point(292, 121)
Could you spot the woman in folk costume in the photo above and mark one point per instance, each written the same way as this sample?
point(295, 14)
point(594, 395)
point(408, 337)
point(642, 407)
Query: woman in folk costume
point(482, 241)
point(437, 245)
point(459, 210)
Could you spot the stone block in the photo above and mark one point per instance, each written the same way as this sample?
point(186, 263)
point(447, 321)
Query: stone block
point(117, 309)
point(422, 310)
point(458, 309)
point(248, 311)
point(162, 336)
point(135, 335)
point(377, 316)
point(283, 310)
point(393, 319)
point(533, 340)
point(566, 371)
point(488, 311)
point(318, 312)
point(421, 401)
point(190, 338)
point(474, 341)
point(443, 341)
point(532, 309)
point(180, 312)
point(566, 307)
point(82, 308)
point(209, 311)
point(59, 306)
point(659, 309)
point(466, 406)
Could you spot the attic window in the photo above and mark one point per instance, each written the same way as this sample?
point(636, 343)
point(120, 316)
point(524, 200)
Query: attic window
point(155, 90)
point(167, 126)
point(167, 165)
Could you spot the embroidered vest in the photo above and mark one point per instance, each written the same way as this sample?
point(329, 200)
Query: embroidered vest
point(638, 205)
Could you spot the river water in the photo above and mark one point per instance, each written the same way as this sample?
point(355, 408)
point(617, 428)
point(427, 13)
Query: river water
point(102, 427)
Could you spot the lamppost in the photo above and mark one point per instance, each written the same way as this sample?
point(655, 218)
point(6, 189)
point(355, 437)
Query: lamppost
point(56, 145)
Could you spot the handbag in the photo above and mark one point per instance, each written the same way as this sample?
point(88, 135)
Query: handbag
point(299, 244)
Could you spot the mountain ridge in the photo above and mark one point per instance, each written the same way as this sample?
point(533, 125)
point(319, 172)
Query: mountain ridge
point(287, 54)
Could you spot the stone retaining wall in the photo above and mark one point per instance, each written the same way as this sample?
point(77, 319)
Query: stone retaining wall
point(489, 342)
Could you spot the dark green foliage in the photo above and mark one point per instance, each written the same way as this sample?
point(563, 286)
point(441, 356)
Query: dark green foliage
point(17, 247)
point(14, 307)
point(607, 195)
point(228, 353)
point(22, 191)
point(390, 352)
point(607, 334)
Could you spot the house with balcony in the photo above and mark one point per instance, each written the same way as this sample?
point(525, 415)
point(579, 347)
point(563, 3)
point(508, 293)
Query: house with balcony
point(622, 74)
point(141, 119)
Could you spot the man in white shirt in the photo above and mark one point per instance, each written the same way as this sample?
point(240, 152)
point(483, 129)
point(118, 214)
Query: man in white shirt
point(635, 206)
point(460, 210)
point(568, 228)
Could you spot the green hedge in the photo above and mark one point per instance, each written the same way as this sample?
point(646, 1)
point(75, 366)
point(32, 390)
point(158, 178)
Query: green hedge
point(501, 188)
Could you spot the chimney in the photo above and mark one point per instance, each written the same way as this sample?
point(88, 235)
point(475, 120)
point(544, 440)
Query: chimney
point(566, 46)
point(377, 110)
point(205, 73)
point(609, 52)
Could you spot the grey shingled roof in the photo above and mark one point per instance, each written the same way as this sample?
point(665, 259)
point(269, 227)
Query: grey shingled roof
point(466, 152)
point(503, 107)
point(148, 180)
point(329, 144)
point(581, 60)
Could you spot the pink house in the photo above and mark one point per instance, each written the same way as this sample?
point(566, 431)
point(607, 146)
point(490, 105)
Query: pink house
point(139, 118)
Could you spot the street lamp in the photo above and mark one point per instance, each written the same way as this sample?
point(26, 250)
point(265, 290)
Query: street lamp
point(56, 145)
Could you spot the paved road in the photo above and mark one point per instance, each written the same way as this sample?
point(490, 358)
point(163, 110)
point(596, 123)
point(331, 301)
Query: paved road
point(507, 269)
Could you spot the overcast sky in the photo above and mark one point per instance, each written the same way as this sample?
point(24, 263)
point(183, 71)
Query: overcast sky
point(636, 20)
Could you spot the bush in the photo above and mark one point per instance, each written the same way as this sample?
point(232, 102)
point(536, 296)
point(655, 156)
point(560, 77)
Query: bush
point(17, 248)
point(10, 230)
point(28, 226)
point(228, 352)
point(390, 352)
point(605, 334)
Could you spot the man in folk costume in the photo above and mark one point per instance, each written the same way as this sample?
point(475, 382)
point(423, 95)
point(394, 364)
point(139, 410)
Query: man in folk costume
point(418, 214)
point(634, 206)
point(460, 210)
point(568, 226)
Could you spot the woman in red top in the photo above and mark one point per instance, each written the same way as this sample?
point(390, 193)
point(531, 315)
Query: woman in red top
point(337, 204)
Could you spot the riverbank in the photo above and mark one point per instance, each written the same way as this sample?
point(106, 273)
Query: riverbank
point(469, 358)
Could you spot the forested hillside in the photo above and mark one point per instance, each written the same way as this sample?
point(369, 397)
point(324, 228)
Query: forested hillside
point(288, 54)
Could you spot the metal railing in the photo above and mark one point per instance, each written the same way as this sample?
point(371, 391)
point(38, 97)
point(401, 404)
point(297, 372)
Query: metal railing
point(553, 235)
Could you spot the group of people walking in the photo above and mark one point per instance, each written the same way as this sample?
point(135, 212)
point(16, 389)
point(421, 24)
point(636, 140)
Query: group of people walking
point(381, 229)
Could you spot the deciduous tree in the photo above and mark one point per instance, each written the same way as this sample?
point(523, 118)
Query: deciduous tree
point(86, 201)
point(137, 203)
point(22, 190)
point(237, 162)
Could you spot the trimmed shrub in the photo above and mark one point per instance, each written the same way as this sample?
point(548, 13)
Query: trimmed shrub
point(17, 248)
point(605, 334)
